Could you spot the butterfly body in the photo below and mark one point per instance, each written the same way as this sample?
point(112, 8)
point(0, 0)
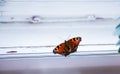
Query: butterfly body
point(67, 47)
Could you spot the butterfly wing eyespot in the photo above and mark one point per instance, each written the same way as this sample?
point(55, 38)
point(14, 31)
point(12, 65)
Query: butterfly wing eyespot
point(67, 47)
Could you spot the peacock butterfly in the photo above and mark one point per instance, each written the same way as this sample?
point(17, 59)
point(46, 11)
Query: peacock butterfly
point(67, 47)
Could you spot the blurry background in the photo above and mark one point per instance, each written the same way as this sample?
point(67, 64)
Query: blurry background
point(28, 25)
point(30, 30)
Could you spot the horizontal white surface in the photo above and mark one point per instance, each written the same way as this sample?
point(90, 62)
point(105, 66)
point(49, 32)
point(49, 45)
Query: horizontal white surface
point(34, 43)
point(15, 36)
point(105, 64)
point(61, 8)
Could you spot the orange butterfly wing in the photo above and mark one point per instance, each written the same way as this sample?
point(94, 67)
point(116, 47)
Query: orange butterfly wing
point(60, 49)
point(67, 47)
point(73, 44)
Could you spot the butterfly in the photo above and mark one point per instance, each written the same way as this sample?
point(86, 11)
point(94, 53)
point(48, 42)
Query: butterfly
point(67, 47)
